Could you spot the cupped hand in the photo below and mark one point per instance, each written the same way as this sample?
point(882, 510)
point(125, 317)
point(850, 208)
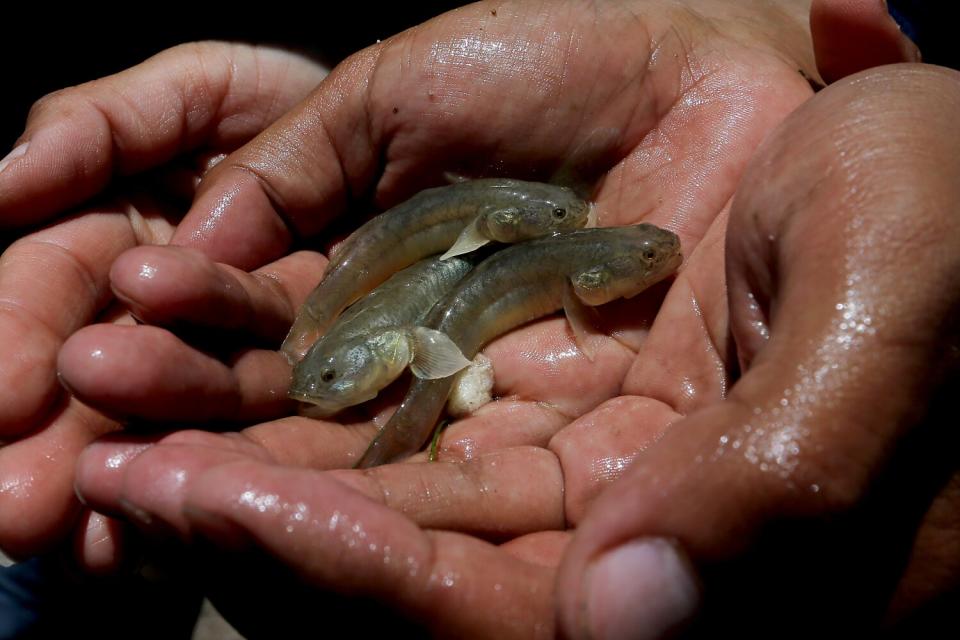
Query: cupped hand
point(815, 491)
point(516, 88)
point(656, 396)
point(147, 134)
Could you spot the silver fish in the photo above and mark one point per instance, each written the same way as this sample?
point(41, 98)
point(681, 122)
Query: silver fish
point(520, 284)
point(456, 218)
point(374, 340)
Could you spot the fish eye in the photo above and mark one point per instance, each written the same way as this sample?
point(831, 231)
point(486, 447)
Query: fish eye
point(559, 213)
point(327, 375)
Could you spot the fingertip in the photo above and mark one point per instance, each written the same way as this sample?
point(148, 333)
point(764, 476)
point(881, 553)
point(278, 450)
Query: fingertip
point(85, 366)
point(234, 221)
point(100, 468)
point(18, 152)
point(162, 285)
point(100, 545)
point(853, 35)
point(645, 588)
point(58, 164)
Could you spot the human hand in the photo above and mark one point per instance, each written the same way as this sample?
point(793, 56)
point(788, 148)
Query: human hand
point(431, 100)
point(823, 489)
point(732, 87)
point(820, 484)
point(165, 122)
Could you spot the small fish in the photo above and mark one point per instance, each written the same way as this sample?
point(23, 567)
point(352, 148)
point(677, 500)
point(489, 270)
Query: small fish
point(373, 341)
point(456, 218)
point(517, 285)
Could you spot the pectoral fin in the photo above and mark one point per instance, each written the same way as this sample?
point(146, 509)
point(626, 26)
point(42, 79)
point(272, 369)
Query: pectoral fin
point(469, 240)
point(592, 216)
point(435, 355)
point(584, 321)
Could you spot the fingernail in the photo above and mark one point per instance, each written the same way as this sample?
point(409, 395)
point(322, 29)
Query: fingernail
point(17, 152)
point(643, 589)
point(135, 513)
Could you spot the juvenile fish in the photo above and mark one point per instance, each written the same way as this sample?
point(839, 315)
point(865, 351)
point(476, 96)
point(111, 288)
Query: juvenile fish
point(456, 218)
point(517, 285)
point(372, 342)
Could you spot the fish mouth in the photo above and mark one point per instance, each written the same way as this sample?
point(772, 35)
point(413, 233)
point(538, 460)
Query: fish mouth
point(668, 268)
point(673, 262)
point(313, 406)
point(312, 409)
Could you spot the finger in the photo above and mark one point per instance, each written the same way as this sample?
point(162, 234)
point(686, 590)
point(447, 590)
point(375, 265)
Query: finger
point(542, 362)
point(147, 372)
point(52, 283)
point(595, 450)
point(100, 468)
point(36, 480)
point(682, 361)
point(177, 287)
point(335, 539)
point(294, 441)
point(192, 95)
point(820, 464)
point(290, 178)
point(101, 545)
point(496, 496)
point(835, 25)
point(501, 424)
point(544, 548)
point(391, 119)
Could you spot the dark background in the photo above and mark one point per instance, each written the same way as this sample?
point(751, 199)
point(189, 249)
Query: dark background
point(44, 49)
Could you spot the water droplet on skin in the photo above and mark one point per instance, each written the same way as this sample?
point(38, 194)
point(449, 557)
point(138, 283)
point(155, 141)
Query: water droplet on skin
point(261, 502)
point(147, 272)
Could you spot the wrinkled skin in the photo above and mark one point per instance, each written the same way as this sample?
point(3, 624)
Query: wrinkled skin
point(412, 536)
point(167, 121)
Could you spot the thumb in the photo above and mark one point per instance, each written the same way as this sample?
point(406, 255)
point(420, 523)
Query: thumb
point(797, 500)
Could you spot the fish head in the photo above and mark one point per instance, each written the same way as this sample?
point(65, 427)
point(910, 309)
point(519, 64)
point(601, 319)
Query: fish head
point(334, 377)
point(651, 255)
point(534, 211)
